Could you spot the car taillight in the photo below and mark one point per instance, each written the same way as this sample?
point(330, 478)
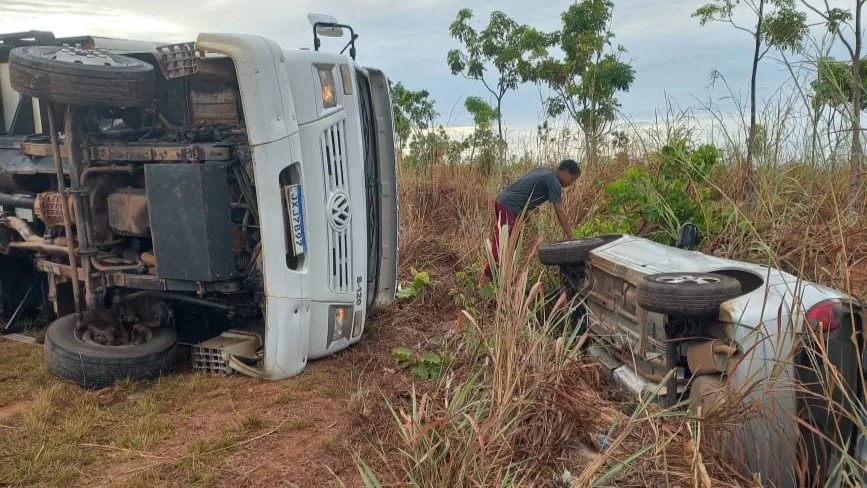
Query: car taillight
point(823, 316)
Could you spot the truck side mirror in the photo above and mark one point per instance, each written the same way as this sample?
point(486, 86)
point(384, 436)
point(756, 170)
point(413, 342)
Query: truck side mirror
point(325, 25)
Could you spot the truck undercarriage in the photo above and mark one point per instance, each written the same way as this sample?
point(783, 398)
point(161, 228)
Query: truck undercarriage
point(129, 191)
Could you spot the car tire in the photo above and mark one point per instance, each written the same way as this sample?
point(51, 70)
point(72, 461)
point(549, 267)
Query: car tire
point(123, 82)
point(572, 252)
point(95, 366)
point(686, 294)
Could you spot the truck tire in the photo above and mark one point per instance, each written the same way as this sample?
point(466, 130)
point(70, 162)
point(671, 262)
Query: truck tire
point(686, 294)
point(47, 73)
point(572, 252)
point(93, 366)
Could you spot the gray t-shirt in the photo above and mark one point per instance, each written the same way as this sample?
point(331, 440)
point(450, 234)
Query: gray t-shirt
point(538, 186)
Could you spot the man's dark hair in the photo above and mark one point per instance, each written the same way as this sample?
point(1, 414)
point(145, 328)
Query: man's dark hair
point(570, 166)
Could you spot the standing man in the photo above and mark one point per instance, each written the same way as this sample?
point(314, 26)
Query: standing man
point(538, 186)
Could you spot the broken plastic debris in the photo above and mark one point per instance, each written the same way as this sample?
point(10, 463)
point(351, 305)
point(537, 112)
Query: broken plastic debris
point(604, 441)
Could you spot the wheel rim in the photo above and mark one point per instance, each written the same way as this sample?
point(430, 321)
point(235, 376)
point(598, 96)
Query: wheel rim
point(688, 279)
point(92, 57)
point(86, 337)
point(91, 334)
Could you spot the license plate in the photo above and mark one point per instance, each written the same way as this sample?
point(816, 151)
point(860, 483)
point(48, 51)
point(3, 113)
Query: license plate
point(295, 199)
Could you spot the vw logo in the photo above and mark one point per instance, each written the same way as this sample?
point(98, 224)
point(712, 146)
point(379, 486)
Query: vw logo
point(339, 210)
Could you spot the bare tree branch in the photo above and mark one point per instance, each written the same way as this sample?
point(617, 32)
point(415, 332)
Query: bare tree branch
point(827, 16)
point(732, 22)
point(817, 11)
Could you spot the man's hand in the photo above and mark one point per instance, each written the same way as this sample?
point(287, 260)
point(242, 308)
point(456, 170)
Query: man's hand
point(564, 222)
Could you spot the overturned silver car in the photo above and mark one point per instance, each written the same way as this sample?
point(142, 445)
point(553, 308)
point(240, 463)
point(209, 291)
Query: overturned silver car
point(738, 335)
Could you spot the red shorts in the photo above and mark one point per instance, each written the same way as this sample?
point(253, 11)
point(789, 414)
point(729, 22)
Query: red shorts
point(503, 217)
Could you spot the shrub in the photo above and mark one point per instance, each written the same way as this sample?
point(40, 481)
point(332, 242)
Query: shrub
point(657, 198)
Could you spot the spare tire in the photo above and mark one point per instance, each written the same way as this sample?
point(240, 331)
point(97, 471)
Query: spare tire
point(67, 76)
point(572, 252)
point(96, 366)
point(686, 294)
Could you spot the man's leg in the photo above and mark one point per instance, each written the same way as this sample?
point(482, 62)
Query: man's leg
point(495, 250)
point(503, 217)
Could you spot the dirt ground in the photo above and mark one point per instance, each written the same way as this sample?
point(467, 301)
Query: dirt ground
point(191, 429)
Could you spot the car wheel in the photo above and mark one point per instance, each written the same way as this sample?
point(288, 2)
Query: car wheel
point(572, 252)
point(93, 365)
point(65, 75)
point(686, 294)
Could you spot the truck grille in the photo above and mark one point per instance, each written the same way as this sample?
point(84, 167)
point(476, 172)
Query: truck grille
point(333, 150)
point(337, 211)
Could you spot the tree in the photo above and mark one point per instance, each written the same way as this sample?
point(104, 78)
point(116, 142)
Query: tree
point(433, 147)
point(778, 25)
point(586, 79)
point(835, 20)
point(483, 145)
point(413, 113)
point(833, 84)
point(495, 49)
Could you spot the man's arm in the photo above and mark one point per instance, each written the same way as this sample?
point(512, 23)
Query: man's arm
point(564, 222)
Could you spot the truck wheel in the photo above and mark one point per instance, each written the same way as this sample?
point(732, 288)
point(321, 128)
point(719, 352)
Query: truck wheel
point(66, 76)
point(686, 294)
point(97, 366)
point(572, 252)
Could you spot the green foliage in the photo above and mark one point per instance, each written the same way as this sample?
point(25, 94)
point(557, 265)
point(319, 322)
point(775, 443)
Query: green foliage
point(589, 74)
point(431, 147)
point(403, 356)
point(420, 279)
point(482, 112)
point(495, 49)
point(833, 84)
point(782, 26)
point(670, 191)
point(836, 17)
point(785, 28)
point(482, 143)
point(603, 225)
point(428, 365)
point(413, 113)
point(465, 294)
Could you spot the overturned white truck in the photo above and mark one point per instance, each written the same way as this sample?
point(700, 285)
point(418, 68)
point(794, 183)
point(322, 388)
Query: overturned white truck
point(228, 194)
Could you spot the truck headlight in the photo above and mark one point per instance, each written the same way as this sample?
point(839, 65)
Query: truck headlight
point(340, 323)
point(326, 80)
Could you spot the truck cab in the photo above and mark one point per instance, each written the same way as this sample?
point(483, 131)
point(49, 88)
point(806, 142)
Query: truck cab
point(227, 193)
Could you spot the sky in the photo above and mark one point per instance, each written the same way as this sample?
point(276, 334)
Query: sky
point(672, 55)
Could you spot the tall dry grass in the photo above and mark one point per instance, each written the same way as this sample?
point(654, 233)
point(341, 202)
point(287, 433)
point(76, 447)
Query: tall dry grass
point(521, 402)
point(520, 405)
